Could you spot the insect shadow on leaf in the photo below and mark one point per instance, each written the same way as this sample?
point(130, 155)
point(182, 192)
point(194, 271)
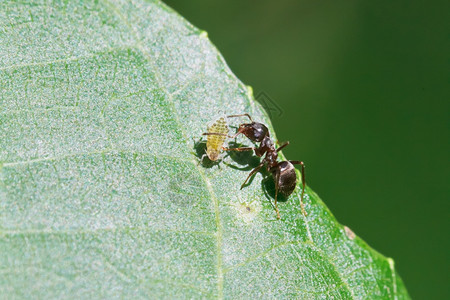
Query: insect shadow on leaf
point(268, 186)
point(246, 160)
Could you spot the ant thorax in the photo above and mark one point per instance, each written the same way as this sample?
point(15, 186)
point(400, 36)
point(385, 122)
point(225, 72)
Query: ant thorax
point(267, 143)
point(271, 159)
point(265, 147)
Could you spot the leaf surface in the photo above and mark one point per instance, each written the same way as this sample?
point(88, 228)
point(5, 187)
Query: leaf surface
point(101, 190)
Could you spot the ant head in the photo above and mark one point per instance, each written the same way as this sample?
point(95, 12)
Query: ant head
point(254, 131)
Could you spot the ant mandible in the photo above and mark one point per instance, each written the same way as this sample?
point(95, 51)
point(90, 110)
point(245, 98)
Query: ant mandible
point(283, 172)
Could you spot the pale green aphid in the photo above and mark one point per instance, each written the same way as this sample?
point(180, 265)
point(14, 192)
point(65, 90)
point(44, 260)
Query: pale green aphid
point(217, 133)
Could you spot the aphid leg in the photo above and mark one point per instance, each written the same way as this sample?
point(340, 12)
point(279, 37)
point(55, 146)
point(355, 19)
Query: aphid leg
point(296, 162)
point(277, 183)
point(239, 149)
point(201, 159)
point(282, 146)
point(241, 115)
point(251, 173)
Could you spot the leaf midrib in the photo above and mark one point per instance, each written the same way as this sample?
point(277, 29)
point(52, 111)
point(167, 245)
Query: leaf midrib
point(169, 99)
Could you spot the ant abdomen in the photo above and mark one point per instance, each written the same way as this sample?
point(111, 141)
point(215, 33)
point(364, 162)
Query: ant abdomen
point(287, 180)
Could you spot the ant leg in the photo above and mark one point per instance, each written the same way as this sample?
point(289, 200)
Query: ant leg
point(240, 130)
point(277, 185)
point(238, 149)
point(251, 173)
point(223, 134)
point(215, 133)
point(296, 162)
point(282, 146)
point(241, 115)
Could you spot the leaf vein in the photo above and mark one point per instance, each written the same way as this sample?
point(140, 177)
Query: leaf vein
point(13, 232)
point(67, 59)
point(330, 261)
point(104, 151)
point(262, 255)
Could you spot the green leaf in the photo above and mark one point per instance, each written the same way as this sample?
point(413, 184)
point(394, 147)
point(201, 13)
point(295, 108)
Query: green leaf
point(101, 190)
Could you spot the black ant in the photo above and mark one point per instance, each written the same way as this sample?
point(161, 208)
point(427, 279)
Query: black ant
point(283, 172)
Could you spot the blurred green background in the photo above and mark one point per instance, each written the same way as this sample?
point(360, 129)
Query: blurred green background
point(363, 93)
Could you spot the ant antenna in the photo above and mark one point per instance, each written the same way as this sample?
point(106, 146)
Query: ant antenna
point(241, 115)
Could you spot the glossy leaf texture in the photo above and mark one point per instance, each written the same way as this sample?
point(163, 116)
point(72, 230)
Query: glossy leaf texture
point(102, 194)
